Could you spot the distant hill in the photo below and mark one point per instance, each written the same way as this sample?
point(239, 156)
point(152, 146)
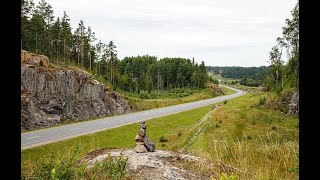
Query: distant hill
point(250, 76)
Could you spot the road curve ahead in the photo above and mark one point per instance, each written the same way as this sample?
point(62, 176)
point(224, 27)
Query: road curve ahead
point(49, 135)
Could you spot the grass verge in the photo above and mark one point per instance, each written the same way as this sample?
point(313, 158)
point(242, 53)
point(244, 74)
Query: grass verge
point(121, 137)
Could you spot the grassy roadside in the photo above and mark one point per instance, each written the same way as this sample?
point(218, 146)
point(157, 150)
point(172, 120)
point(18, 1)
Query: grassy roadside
point(145, 104)
point(247, 136)
point(241, 133)
point(118, 137)
point(151, 104)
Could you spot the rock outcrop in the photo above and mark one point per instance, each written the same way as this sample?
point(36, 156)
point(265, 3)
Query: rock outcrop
point(294, 104)
point(152, 165)
point(34, 59)
point(50, 96)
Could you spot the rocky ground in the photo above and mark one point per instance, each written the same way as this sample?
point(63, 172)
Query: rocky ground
point(150, 165)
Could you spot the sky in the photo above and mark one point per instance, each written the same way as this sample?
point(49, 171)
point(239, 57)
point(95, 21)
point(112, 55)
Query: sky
point(218, 32)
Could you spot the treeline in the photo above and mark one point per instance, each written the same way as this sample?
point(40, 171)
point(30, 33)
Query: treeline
point(249, 76)
point(42, 33)
point(285, 75)
point(147, 73)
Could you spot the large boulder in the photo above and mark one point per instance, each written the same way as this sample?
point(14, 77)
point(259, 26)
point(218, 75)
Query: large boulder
point(294, 104)
point(151, 165)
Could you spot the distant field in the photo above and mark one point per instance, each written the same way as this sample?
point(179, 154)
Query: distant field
point(144, 104)
point(220, 78)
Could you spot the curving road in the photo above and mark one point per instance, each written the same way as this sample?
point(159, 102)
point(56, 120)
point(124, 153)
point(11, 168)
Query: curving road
point(45, 136)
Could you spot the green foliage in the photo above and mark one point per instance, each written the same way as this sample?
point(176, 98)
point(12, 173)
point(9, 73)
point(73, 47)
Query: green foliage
point(250, 76)
point(215, 81)
point(282, 76)
point(66, 167)
point(249, 82)
point(43, 34)
point(109, 168)
point(163, 139)
point(56, 167)
point(262, 101)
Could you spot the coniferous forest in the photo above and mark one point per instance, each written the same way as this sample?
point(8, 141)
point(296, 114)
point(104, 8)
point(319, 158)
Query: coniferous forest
point(43, 33)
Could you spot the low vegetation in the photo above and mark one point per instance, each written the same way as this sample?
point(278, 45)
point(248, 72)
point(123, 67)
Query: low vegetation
point(242, 134)
point(248, 76)
point(172, 98)
point(66, 166)
point(257, 141)
point(118, 137)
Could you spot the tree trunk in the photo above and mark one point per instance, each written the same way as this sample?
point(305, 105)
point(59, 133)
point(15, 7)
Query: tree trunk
point(36, 41)
point(282, 82)
point(90, 59)
point(81, 47)
point(78, 49)
point(64, 50)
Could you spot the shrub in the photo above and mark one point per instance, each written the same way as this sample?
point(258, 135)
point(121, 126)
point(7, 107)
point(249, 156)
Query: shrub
point(262, 101)
point(66, 167)
point(109, 168)
point(225, 102)
point(163, 139)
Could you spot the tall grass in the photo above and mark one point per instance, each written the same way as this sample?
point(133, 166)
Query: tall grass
point(66, 166)
point(265, 149)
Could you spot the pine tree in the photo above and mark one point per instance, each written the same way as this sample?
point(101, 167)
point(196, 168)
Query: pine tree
point(66, 35)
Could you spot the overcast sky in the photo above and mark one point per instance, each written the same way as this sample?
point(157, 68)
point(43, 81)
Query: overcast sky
point(218, 32)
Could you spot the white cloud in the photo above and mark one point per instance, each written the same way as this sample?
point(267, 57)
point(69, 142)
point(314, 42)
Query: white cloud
point(219, 32)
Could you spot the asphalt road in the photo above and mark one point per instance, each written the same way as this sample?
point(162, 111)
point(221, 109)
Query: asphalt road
point(45, 136)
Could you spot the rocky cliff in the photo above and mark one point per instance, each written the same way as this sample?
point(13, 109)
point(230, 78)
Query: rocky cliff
point(50, 96)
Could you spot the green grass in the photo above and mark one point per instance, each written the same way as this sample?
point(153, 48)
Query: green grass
point(122, 137)
point(145, 104)
point(219, 77)
point(256, 140)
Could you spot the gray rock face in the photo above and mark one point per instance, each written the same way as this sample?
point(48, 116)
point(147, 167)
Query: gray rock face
point(49, 96)
point(294, 104)
point(149, 144)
